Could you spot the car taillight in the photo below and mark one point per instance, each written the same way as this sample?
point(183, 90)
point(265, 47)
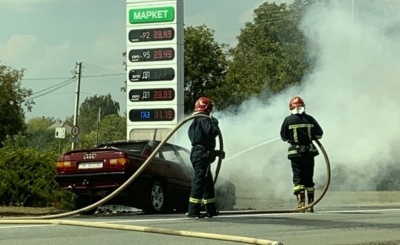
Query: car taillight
point(118, 161)
point(64, 164)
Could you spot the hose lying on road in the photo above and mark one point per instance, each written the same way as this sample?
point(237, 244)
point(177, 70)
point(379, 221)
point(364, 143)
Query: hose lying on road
point(196, 234)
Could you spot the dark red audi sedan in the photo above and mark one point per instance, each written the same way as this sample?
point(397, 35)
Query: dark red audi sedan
point(164, 186)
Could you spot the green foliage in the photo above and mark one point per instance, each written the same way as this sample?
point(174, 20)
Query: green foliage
point(12, 99)
point(38, 135)
point(27, 179)
point(205, 65)
point(112, 127)
point(270, 55)
point(89, 111)
point(39, 123)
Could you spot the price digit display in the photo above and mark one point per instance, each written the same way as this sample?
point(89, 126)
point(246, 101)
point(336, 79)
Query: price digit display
point(146, 115)
point(156, 34)
point(154, 54)
point(148, 75)
point(161, 94)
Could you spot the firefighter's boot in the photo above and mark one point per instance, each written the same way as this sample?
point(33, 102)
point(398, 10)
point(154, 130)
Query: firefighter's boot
point(310, 197)
point(300, 200)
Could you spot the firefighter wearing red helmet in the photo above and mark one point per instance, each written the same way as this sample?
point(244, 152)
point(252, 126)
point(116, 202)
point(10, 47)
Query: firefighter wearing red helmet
point(202, 134)
point(299, 129)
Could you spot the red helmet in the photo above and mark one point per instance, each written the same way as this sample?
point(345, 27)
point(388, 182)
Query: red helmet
point(203, 104)
point(296, 102)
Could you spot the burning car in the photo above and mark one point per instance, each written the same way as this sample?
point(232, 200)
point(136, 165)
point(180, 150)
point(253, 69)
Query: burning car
point(163, 186)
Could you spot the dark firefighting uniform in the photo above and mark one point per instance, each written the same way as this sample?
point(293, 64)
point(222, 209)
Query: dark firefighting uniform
point(299, 130)
point(202, 134)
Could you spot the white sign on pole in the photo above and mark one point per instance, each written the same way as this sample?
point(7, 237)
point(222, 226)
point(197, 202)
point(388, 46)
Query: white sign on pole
point(60, 133)
point(155, 64)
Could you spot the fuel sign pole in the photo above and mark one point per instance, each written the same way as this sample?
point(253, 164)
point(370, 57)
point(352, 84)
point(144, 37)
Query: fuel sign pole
point(155, 67)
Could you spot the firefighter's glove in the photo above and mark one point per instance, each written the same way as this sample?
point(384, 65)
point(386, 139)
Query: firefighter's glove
point(220, 154)
point(214, 121)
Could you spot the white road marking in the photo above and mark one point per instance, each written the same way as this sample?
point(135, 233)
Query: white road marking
point(22, 226)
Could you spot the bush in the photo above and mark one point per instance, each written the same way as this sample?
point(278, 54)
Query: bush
point(27, 179)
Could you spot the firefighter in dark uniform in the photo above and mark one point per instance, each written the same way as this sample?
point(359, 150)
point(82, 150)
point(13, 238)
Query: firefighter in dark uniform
point(202, 134)
point(299, 129)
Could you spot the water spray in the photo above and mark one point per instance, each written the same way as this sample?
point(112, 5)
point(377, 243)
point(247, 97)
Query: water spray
point(251, 148)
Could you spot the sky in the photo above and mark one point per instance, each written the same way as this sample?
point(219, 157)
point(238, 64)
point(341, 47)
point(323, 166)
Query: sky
point(48, 38)
point(352, 92)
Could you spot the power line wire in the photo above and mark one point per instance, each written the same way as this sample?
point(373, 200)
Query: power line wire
point(93, 71)
point(98, 68)
point(44, 78)
point(56, 85)
point(52, 90)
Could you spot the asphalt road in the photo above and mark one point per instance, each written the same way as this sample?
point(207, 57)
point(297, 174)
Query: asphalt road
point(378, 225)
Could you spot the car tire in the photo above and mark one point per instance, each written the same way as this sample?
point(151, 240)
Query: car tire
point(156, 198)
point(84, 201)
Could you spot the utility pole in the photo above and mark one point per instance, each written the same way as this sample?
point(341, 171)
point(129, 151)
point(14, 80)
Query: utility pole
point(75, 128)
point(352, 12)
point(98, 127)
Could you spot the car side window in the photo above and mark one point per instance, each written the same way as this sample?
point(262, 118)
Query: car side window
point(169, 154)
point(185, 156)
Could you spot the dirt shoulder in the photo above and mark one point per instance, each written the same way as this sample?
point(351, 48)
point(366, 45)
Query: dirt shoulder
point(10, 211)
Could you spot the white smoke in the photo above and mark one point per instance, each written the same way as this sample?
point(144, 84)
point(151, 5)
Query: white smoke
point(353, 90)
point(353, 94)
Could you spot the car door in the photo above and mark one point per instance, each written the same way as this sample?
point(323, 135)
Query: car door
point(177, 172)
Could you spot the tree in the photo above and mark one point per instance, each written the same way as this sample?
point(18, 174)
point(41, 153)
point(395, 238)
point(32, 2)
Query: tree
point(270, 55)
point(90, 108)
point(205, 66)
point(38, 136)
point(13, 98)
point(111, 128)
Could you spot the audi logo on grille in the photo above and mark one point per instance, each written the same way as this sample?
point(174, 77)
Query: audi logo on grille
point(88, 156)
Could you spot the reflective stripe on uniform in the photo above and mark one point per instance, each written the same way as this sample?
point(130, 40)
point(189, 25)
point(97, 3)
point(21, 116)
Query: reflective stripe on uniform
point(298, 188)
point(310, 189)
point(207, 201)
point(296, 126)
point(195, 200)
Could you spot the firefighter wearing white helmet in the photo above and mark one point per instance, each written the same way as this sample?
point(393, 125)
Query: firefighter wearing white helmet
point(202, 134)
point(299, 129)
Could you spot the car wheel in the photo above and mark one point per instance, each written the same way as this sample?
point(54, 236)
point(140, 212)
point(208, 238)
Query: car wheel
point(156, 198)
point(84, 201)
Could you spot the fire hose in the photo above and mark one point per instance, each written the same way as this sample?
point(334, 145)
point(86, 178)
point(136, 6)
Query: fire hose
point(51, 219)
point(317, 200)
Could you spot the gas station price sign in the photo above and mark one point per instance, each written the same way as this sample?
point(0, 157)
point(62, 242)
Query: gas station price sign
point(154, 39)
point(154, 114)
point(151, 54)
point(151, 74)
point(155, 34)
point(159, 94)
